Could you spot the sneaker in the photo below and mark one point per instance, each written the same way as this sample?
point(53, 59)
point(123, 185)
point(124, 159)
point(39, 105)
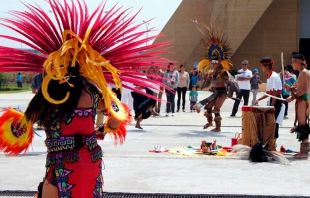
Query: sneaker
point(178, 110)
point(39, 127)
point(285, 117)
point(183, 110)
point(232, 115)
point(172, 114)
point(167, 114)
point(191, 111)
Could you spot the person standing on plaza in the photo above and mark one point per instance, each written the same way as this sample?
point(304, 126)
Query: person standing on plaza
point(171, 80)
point(193, 78)
point(243, 78)
point(299, 92)
point(153, 89)
point(290, 81)
point(193, 98)
point(35, 86)
point(36, 83)
point(274, 88)
point(254, 81)
point(20, 80)
point(126, 94)
point(160, 74)
point(182, 87)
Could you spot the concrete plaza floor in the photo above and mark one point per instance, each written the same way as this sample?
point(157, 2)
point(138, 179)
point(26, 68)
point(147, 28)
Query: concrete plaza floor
point(132, 168)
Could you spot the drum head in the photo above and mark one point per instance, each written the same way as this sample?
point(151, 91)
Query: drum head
point(263, 108)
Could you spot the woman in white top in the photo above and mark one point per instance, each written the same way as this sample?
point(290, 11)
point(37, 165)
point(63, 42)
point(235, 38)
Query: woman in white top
point(126, 95)
point(182, 87)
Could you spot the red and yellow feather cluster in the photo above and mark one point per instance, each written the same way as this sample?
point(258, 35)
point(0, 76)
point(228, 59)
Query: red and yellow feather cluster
point(16, 133)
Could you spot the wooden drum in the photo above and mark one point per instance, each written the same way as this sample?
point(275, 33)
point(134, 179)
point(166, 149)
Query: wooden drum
point(258, 125)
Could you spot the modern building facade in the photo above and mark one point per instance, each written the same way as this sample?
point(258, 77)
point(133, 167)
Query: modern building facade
point(255, 29)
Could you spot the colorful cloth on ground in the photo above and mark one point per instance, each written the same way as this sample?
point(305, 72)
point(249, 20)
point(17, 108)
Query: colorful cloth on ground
point(190, 151)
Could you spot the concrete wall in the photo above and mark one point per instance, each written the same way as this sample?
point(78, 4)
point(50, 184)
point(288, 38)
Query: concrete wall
point(183, 33)
point(255, 29)
point(276, 31)
point(304, 19)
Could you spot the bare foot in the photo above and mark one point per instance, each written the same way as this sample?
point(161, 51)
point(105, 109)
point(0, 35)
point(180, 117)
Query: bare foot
point(138, 124)
point(138, 127)
point(301, 156)
point(154, 113)
point(216, 130)
point(207, 125)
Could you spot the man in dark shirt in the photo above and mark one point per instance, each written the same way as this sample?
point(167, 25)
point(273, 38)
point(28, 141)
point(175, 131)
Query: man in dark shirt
point(35, 86)
point(254, 81)
point(36, 83)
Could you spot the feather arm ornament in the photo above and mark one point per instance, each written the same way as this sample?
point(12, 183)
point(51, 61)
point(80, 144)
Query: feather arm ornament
point(16, 132)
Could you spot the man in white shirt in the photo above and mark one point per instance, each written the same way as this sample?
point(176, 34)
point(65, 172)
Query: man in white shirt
point(243, 79)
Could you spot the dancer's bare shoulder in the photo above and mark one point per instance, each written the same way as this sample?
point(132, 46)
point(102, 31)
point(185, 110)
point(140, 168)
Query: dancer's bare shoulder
point(304, 77)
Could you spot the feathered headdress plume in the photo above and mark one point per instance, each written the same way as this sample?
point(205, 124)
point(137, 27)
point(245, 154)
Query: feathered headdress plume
point(259, 154)
point(216, 47)
point(107, 46)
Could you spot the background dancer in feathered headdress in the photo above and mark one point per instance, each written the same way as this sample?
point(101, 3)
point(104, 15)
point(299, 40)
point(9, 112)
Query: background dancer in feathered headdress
point(81, 54)
point(215, 66)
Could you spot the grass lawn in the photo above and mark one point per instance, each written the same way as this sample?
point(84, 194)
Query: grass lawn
point(12, 88)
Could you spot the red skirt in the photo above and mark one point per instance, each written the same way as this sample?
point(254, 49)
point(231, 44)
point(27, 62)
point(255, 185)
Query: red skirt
point(79, 179)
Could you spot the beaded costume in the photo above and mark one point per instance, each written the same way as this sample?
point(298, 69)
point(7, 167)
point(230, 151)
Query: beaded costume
point(218, 78)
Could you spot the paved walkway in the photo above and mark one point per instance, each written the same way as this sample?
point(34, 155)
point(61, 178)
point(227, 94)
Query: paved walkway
point(132, 168)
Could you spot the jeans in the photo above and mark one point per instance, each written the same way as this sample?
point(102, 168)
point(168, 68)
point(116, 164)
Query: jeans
point(181, 91)
point(243, 93)
point(170, 100)
point(254, 93)
point(286, 104)
point(192, 105)
point(277, 106)
point(19, 84)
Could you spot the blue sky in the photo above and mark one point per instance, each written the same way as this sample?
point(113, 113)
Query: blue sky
point(160, 10)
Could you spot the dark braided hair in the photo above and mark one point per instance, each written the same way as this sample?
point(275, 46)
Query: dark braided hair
point(39, 108)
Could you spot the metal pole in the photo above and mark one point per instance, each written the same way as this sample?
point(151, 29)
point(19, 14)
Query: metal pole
point(147, 31)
